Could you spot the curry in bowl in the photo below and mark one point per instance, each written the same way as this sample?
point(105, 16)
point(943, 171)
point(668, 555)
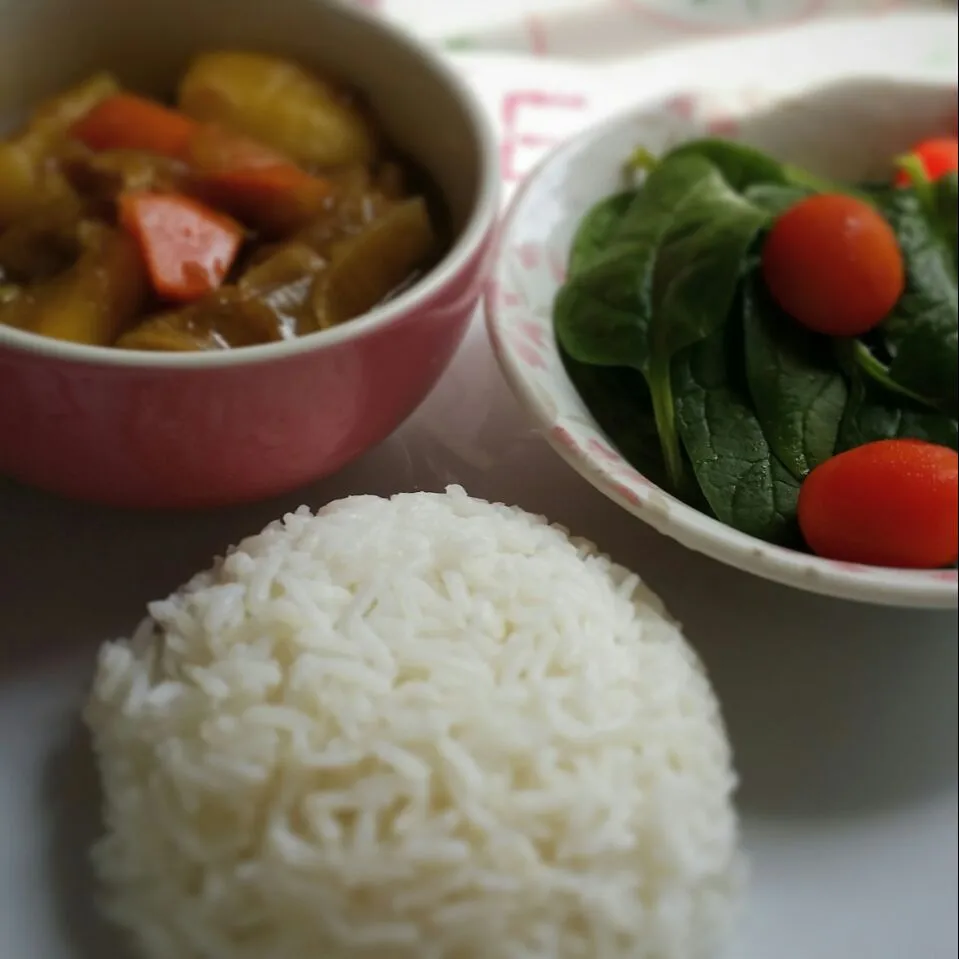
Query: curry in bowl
point(265, 204)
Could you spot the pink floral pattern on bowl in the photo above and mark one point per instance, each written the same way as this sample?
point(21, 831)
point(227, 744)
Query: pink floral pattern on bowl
point(534, 245)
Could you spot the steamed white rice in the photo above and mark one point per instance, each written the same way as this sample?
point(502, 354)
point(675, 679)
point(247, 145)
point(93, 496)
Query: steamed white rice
point(419, 728)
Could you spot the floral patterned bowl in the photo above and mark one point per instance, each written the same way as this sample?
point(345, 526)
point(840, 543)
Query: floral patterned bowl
point(842, 130)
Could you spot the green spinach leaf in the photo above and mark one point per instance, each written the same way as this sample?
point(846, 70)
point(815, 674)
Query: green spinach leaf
point(946, 199)
point(743, 481)
point(874, 414)
point(699, 267)
point(619, 400)
point(602, 312)
point(856, 357)
point(775, 198)
point(797, 389)
point(600, 316)
point(922, 333)
point(597, 230)
point(666, 281)
point(694, 283)
point(744, 166)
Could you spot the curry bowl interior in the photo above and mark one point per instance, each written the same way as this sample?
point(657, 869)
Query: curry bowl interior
point(47, 45)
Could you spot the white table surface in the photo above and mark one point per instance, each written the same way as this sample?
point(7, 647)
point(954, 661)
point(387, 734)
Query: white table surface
point(844, 717)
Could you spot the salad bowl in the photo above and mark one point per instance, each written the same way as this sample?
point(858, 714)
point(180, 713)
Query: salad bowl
point(847, 131)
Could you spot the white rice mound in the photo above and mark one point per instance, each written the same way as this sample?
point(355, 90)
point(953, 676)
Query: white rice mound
point(426, 727)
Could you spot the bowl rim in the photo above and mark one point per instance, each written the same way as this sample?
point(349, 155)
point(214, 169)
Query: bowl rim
point(474, 234)
point(929, 589)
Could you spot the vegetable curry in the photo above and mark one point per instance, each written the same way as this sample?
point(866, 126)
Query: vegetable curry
point(265, 205)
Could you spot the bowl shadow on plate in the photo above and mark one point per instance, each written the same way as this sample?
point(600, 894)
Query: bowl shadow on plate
point(71, 795)
point(828, 719)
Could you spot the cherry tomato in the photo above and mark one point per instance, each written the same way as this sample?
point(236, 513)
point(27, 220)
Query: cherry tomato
point(888, 503)
point(938, 157)
point(833, 264)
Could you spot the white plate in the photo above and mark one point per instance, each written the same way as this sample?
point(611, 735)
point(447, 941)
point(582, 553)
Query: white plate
point(844, 718)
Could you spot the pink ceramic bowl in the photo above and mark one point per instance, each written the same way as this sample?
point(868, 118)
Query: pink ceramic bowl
point(198, 430)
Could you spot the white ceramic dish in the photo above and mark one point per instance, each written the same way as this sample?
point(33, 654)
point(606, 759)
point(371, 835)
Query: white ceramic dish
point(847, 129)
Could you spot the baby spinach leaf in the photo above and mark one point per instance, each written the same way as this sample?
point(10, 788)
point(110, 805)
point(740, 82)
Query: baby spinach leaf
point(922, 333)
point(744, 166)
point(775, 198)
point(693, 284)
point(797, 389)
point(598, 229)
point(602, 312)
point(946, 200)
point(856, 356)
point(879, 192)
point(875, 414)
point(600, 316)
point(664, 244)
point(699, 266)
point(619, 400)
point(666, 281)
point(746, 485)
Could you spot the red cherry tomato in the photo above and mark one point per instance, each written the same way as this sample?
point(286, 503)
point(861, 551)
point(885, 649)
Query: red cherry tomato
point(833, 264)
point(889, 503)
point(938, 157)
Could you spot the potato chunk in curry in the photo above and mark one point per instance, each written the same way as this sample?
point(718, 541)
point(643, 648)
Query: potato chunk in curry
point(279, 104)
point(28, 178)
point(90, 302)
